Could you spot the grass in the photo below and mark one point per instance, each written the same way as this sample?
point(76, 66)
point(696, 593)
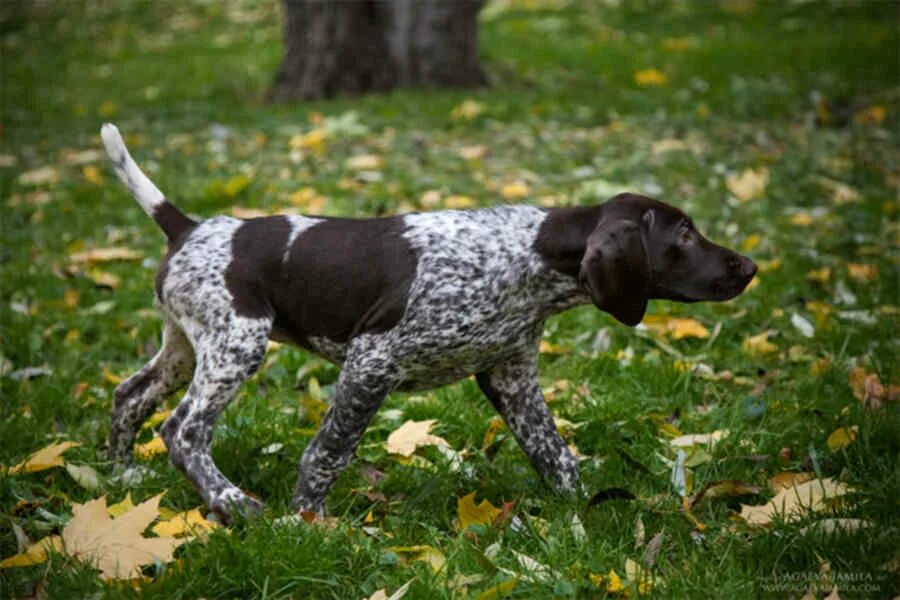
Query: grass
point(564, 117)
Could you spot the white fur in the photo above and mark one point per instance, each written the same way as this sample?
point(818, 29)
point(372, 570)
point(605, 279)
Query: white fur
point(143, 190)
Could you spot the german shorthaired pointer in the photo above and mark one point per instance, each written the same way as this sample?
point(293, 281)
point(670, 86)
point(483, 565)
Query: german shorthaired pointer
point(408, 302)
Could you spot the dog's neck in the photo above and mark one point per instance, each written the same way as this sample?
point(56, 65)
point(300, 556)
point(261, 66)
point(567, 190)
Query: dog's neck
point(562, 238)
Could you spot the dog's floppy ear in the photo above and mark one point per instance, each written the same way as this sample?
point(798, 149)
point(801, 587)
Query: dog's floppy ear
point(615, 269)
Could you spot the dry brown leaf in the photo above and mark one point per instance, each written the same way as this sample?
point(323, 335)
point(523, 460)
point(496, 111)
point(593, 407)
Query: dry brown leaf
point(793, 503)
point(105, 255)
point(39, 176)
point(427, 554)
point(862, 272)
point(789, 479)
point(699, 439)
point(43, 459)
point(411, 435)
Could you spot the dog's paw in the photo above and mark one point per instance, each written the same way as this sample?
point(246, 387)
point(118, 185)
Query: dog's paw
point(233, 503)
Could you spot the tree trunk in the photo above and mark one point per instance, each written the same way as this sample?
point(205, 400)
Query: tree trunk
point(353, 47)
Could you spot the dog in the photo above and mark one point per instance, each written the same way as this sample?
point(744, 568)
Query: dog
point(406, 302)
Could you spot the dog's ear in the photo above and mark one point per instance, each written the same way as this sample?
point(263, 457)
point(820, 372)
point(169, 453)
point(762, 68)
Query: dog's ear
point(615, 269)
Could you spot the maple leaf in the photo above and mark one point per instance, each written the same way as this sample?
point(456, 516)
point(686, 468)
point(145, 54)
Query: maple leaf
point(794, 502)
point(789, 479)
point(427, 554)
point(405, 439)
point(749, 184)
point(105, 255)
point(45, 458)
point(470, 513)
point(116, 547)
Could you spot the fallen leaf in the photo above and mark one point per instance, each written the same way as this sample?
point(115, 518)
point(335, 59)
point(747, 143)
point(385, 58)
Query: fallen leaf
point(315, 140)
point(150, 449)
point(868, 389)
point(466, 110)
point(382, 593)
point(650, 78)
point(548, 347)
point(675, 327)
point(105, 255)
point(427, 554)
point(614, 583)
point(699, 439)
point(821, 275)
point(468, 513)
point(495, 426)
point(805, 328)
point(501, 590)
point(242, 212)
point(862, 272)
point(103, 278)
point(514, 191)
point(841, 437)
point(43, 459)
point(120, 508)
point(793, 503)
point(751, 242)
point(759, 345)
point(802, 219)
point(411, 435)
point(35, 554)
point(873, 115)
point(533, 570)
point(473, 152)
point(39, 176)
point(750, 184)
point(92, 174)
point(84, 475)
point(459, 202)
point(724, 489)
point(363, 162)
point(188, 523)
point(789, 479)
point(639, 576)
point(156, 419)
point(667, 145)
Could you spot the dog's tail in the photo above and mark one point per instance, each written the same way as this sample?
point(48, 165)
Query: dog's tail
point(172, 221)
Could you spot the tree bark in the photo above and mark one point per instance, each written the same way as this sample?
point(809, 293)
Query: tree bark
point(358, 46)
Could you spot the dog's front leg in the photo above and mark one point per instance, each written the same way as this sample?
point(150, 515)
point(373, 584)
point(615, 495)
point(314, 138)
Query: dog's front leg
point(513, 389)
point(366, 379)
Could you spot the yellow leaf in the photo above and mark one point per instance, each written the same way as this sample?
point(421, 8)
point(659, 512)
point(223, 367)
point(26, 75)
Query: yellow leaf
point(751, 242)
point(841, 437)
point(759, 345)
point(749, 184)
point(514, 191)
point(547, 347)
point(678, 44)
point(108, 109)
point(637, 574)
point(315, 140)
point(412, 434)
point(501, 590)
point(862, 272)
point(116, 546)
point(466, 110)
point(111, 377)
point(151, 448)
point(873, 115)
point(802, 219)
point(35, 554)
point(615, 582)
point(188, 523)
point(469, 513)
point(156, 419)
point(105, 255)
point(242, 212)
point(597, 580)
point(313, 408)
point(794, 502)
point(103, 278)
point(363, 162)
point(120, 508)
point(45, 458)
point(495, 426)
point(40, 176)
point(309, 199)
point(675, 327)
point(457, 202)
point(767, 266)
point(821, 366)
point(427, 554)
point(92, 174)
point(651, 78)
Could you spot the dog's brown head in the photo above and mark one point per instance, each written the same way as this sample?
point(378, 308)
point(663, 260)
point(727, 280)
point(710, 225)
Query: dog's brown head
point(643, 249)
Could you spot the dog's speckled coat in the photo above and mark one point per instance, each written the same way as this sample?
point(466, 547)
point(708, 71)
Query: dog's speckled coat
point(413, 302)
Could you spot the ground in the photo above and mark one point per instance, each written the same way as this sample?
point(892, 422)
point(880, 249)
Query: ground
point(773, 123)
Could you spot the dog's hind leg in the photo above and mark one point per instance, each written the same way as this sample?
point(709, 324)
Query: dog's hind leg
point(227, 355)
point(137, 397)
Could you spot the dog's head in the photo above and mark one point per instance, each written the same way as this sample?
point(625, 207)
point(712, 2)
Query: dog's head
point(643, 249)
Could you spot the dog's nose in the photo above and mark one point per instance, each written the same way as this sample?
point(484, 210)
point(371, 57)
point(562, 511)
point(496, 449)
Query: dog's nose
point(742, 266)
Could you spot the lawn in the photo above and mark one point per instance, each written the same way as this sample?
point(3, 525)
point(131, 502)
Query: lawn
point(774, 124)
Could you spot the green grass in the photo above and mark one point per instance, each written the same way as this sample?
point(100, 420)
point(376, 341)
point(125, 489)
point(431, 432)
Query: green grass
point(564, 116)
